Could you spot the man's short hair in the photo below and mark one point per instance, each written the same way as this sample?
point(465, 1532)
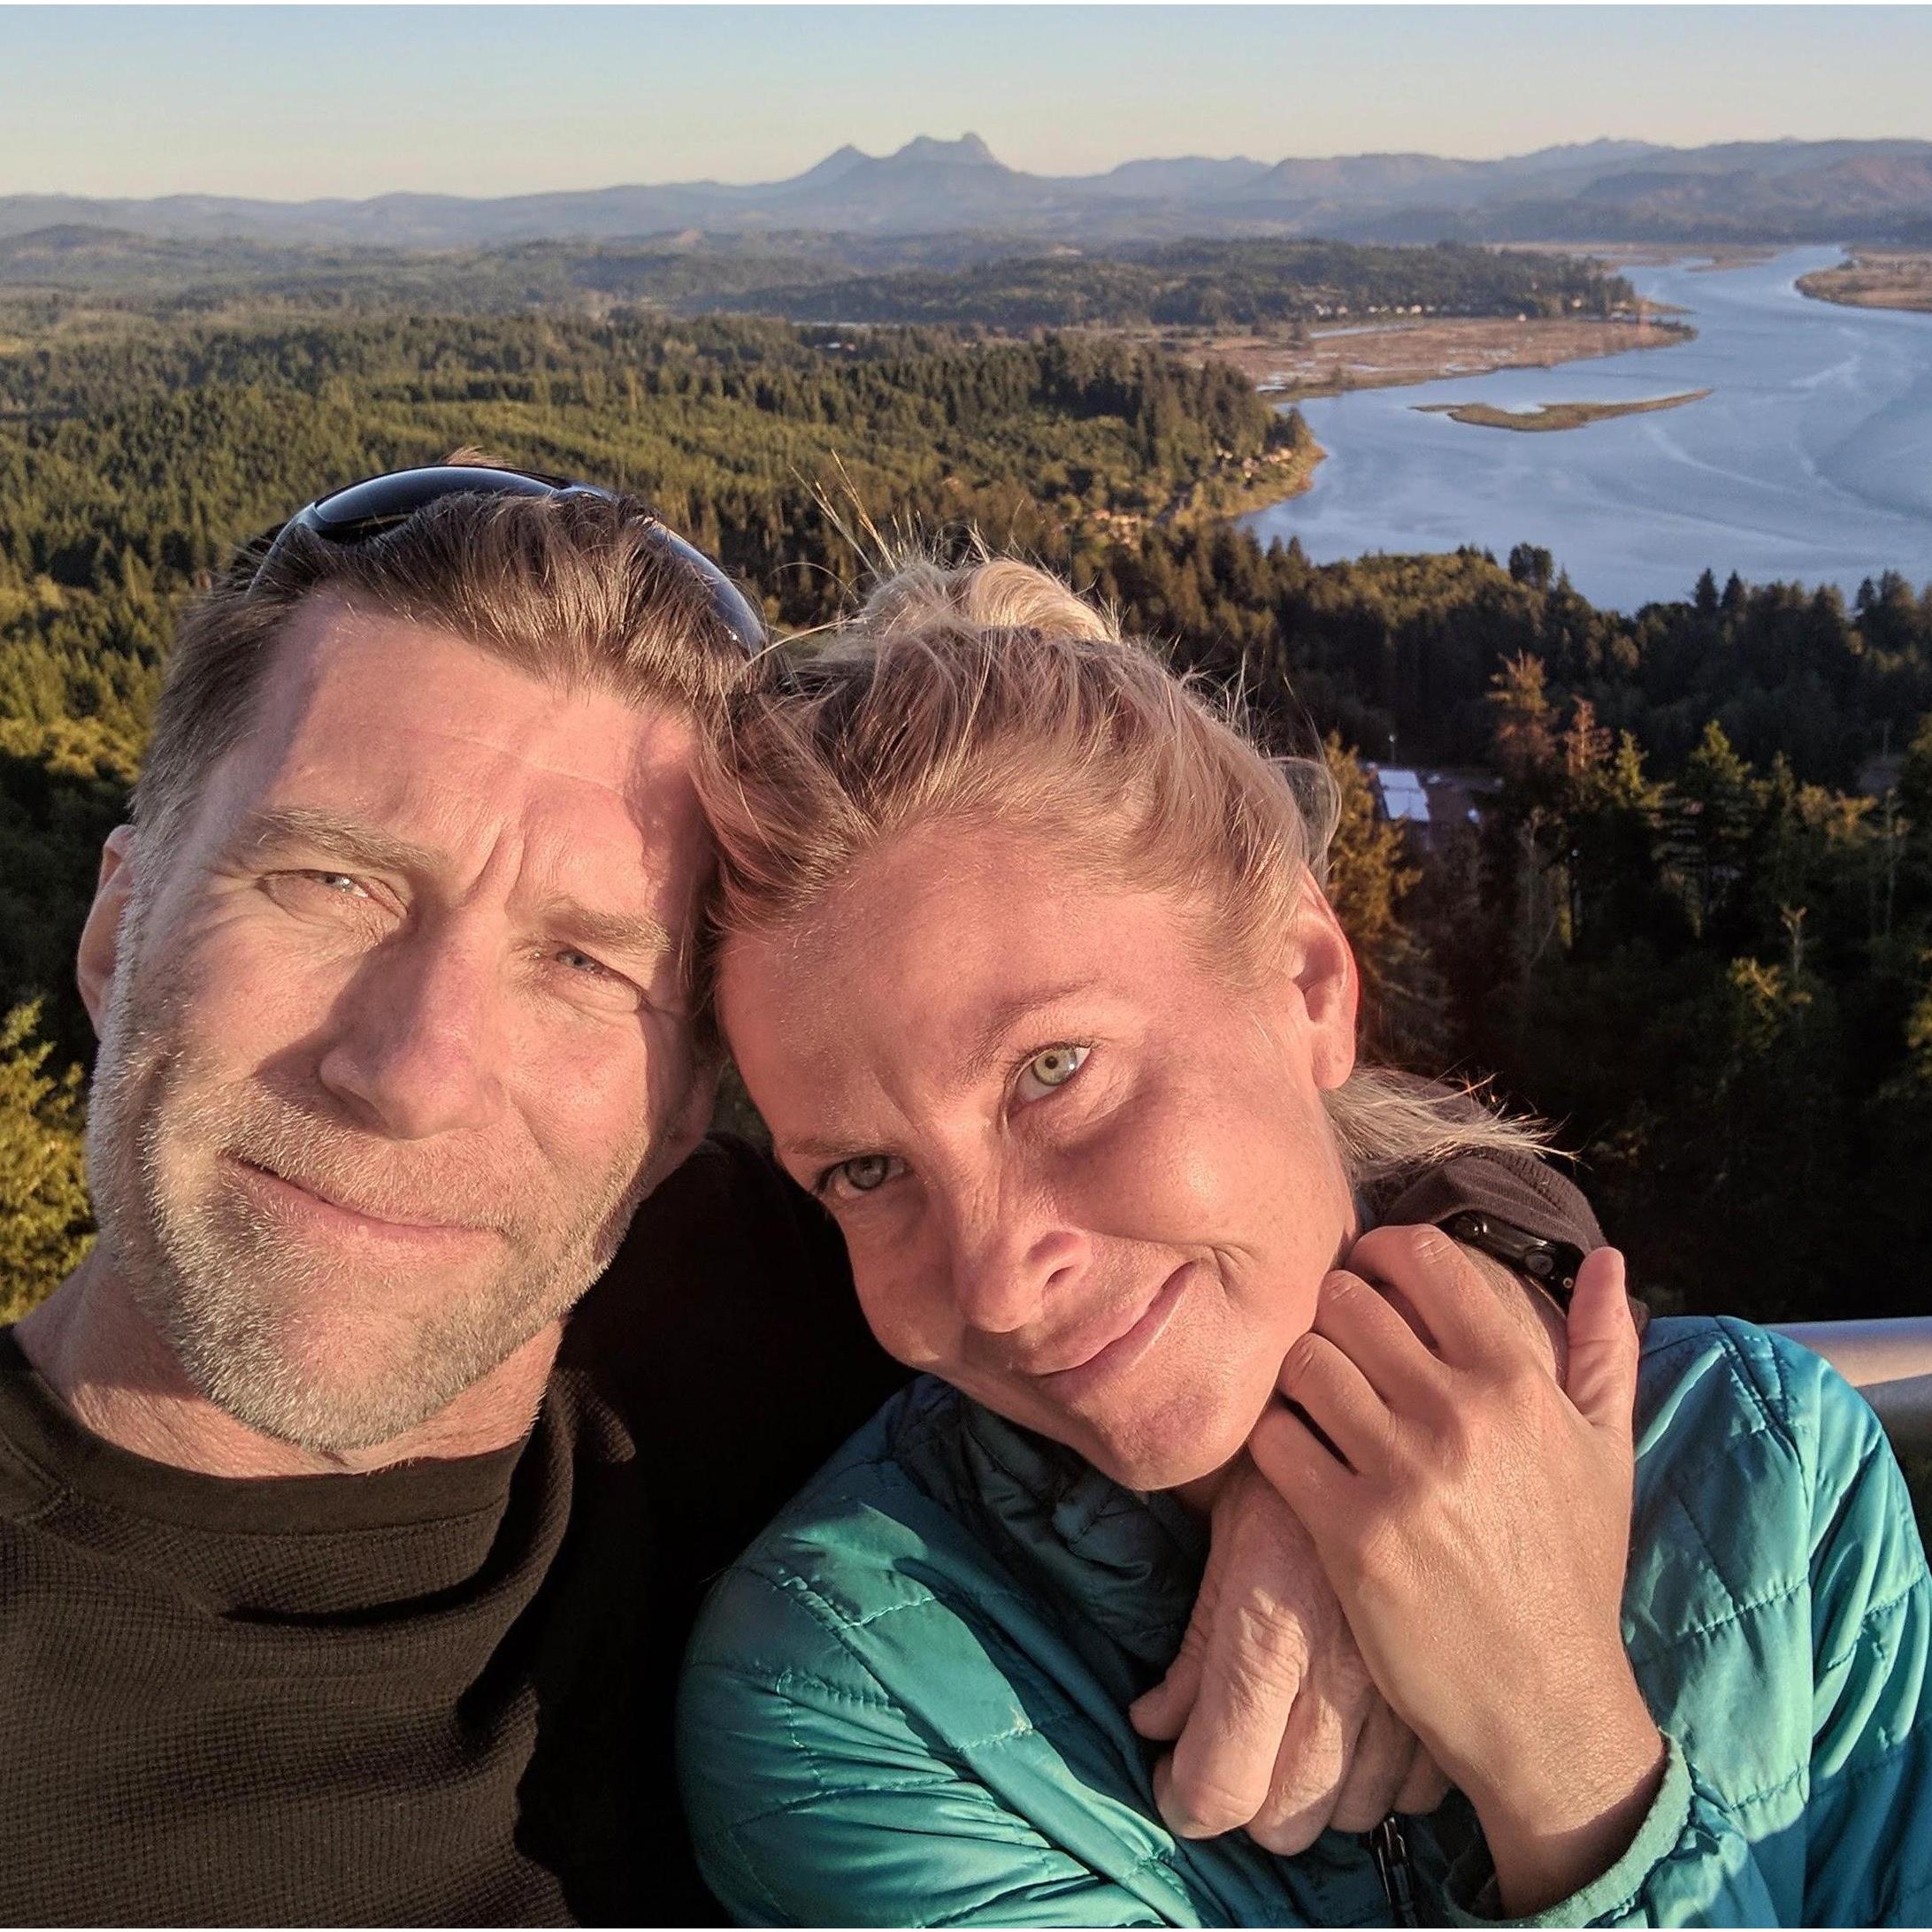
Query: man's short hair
point(576, 590)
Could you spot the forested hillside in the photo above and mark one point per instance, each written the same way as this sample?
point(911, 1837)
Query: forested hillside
point(1682, 929)
point(995, 281)
point(1208, 285)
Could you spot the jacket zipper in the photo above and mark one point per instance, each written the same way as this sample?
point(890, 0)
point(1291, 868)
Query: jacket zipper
point(1391, 1850)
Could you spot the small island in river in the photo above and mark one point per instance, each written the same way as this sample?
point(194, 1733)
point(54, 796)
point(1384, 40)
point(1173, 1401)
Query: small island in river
point(1554, 415)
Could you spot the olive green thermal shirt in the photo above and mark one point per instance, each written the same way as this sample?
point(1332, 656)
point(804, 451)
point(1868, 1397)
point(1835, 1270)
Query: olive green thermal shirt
point(439, 1694)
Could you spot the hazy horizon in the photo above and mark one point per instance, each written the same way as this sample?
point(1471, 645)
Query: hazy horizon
point(594, 187)
point(305, 103)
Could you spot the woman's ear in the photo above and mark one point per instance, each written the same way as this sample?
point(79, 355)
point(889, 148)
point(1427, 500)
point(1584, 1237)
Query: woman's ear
point(100, 937)
point(1330, 988)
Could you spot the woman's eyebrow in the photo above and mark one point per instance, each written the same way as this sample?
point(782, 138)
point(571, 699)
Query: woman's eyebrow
point(987, 1048)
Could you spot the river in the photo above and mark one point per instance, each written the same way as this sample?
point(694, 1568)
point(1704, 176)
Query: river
point(1811, 458)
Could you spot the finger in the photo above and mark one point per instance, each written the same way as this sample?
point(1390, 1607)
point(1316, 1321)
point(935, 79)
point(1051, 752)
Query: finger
point(1159, 1713)
point(1315, 1483)
point(1218, 1776)
point(1309, 1768)
point(1444, 1289)
point(1253, 1669)
point(1339, 1399)
point(1384, 1754)
point(1373, 1335)
point(1423, 1790)
point(1603, 1346)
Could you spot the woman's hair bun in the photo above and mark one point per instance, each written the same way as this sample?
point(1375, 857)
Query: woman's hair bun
point(917, 595)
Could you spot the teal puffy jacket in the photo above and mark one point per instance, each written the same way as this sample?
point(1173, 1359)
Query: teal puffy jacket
point(905, 1704)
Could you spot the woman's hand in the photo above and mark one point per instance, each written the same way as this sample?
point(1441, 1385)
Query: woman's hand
point(1475, 1521)
point(1280, 1730)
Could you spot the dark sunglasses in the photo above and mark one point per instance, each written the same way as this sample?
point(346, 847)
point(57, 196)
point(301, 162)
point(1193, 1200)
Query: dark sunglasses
point(379, 503)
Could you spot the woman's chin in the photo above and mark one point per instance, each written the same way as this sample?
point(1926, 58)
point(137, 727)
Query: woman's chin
point(1170, 1448)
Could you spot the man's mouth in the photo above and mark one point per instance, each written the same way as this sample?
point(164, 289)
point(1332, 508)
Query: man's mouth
point(317, 1201)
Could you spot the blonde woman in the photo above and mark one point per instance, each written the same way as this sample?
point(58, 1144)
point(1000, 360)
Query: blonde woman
point(1023, 956)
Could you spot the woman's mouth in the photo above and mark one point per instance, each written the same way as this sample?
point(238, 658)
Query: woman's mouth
point(1109, 1350)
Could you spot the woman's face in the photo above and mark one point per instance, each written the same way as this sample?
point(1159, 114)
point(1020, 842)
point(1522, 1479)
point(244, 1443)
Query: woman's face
point(1081, 1176)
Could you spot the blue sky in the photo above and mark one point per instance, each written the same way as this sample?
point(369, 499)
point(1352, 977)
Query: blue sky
point(294, 102)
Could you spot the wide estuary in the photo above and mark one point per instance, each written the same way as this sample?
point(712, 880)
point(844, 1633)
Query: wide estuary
point(1811, 458)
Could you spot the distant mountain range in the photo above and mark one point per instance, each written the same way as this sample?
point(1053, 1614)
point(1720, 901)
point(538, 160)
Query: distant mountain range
point(1599, 191)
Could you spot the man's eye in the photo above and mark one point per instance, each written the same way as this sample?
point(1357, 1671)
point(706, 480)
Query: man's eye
point(586, 978)
point(863, 1173)
point(295, 888)
point(1048, 1070)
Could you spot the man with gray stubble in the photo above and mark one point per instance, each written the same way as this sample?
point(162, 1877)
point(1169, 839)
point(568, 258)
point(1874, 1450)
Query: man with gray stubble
point(346, 1579)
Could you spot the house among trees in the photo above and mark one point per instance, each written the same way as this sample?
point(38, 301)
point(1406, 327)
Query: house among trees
point(1432, 803)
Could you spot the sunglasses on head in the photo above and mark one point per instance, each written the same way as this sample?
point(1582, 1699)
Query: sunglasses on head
point(381, 503)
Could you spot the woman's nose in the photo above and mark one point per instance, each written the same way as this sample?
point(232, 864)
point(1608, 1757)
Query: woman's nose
point(1012, 1278)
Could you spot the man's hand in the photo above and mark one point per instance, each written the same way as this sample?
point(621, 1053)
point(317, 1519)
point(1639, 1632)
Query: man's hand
point(1475, 1520)
point(1279, 1727)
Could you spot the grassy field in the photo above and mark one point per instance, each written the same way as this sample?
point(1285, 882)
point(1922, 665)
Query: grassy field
point(1554, 415)
point(1876, 279)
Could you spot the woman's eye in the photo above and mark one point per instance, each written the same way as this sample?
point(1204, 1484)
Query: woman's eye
point(863, 1173)
point(1049, 1070)
point(341, 884)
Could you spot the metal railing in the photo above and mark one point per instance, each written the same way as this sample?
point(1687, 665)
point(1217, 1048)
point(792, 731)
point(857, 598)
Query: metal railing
point(1890, 1363)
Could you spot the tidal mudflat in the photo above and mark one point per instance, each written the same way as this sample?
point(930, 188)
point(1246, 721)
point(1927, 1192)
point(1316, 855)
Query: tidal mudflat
point(1807, 460)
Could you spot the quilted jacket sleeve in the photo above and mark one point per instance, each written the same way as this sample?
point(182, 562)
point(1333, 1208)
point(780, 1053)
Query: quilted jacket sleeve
point(1868, 1855)
point(815, 1798)
point(1866, 1821)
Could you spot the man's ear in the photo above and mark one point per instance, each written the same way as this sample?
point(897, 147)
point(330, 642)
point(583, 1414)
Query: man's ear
point(1331, 987)
point(100, 937)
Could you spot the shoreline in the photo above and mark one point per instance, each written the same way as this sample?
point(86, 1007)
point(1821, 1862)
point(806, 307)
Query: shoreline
point(1257, 483)
point(1400, 355)
point(1546, 417)
point(1897, 278)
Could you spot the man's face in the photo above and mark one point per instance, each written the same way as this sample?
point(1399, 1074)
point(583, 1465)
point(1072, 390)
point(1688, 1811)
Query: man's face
point(1081, 1175)
point(402, 1036)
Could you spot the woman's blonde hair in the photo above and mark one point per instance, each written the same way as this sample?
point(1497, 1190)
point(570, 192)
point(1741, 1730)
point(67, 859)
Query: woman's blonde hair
point(990, 694)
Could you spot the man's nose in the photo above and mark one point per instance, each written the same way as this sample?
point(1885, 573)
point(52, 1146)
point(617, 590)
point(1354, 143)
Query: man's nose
point(1009, 1270)
point(418, 1048)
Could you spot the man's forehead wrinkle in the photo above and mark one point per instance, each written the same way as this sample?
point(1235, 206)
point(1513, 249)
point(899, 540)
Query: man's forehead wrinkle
point(536, 754)
point(553, 799)
point(345, 656)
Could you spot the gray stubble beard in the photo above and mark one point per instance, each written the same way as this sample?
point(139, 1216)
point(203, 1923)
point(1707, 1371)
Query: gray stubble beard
point(222, 1288)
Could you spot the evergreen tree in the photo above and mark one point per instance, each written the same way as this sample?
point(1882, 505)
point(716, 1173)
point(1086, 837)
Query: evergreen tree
point(45, 1220)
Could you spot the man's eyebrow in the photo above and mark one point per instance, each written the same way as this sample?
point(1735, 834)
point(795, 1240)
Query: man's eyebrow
point(631, 935)
point(333, 836)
